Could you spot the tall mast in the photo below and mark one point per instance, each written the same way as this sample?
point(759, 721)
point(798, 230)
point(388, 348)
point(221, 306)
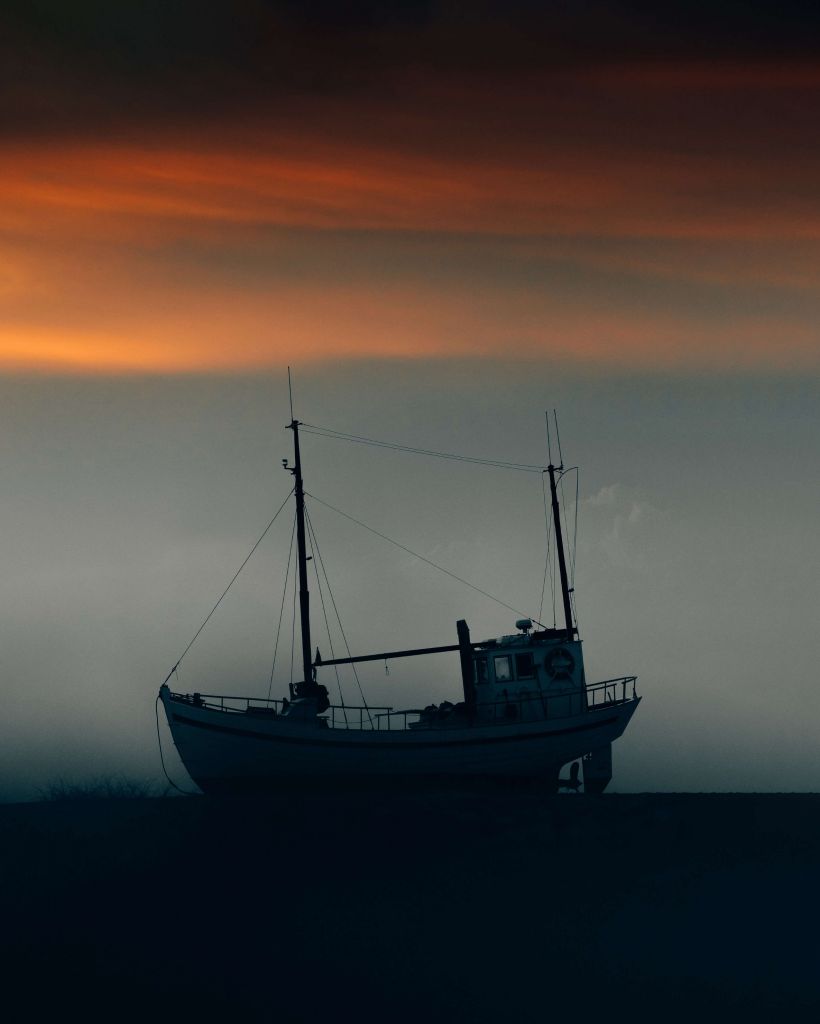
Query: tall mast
point(301, 552)
point(559, 544)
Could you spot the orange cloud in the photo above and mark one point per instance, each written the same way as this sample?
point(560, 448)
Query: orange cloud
point(114, 190)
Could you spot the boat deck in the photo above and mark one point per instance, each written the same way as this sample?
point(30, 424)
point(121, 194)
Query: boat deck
point(539, 706)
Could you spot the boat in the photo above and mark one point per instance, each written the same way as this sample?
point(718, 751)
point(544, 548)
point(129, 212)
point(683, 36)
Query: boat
point(524, 713)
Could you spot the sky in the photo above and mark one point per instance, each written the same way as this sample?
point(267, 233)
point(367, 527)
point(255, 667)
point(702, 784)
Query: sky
point(232, 189)
point(445, 218)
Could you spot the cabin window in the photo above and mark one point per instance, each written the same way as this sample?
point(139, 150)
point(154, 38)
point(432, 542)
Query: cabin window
point(503, 669)
point(481, 673)
point(524, 666)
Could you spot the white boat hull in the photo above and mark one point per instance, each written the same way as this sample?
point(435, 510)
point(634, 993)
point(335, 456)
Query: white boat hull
point(225, 751)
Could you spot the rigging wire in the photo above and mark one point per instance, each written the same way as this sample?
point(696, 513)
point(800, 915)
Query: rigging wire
point(415, 554)
point(548, 523)
point(338, 617)
point(293, 634)
point(548, 568)
point(225, 591)
point(554, 585)
point(314, 547)
point(572, 469)
point(575, 541)
point(575, 526)
point(564, 511)
point(282, 606)
point(339, 435)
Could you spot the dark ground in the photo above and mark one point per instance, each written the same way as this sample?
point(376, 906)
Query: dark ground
point(458, 906)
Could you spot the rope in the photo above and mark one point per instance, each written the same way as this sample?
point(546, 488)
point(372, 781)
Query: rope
point(185, 792)
point(293, 633)
point(225, 591)
point(575, 542)
point(314, 548)
point(415, 554)
point(339, 619)
point(282, 606)
point(548, 522)
point(338, 435)
point(575, 528)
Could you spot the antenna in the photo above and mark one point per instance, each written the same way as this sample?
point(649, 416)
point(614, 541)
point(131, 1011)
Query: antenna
point(558, 436)
point(290, 396)
point(549, 440)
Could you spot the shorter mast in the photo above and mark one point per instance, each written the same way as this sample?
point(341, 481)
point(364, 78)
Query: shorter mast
point(559, 544)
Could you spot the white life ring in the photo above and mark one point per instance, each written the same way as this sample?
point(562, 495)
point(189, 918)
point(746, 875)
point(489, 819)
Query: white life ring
point(559, 663)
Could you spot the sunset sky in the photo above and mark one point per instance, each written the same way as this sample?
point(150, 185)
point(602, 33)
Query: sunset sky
point(259, 183)
point(445, 218)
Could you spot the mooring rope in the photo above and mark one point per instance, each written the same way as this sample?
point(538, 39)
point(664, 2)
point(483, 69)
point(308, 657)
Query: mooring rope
point(185, 792)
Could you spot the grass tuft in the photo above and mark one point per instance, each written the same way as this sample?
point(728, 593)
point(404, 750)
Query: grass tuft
point(113, 787)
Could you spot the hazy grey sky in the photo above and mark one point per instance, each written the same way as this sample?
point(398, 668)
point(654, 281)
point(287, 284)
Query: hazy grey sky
point(428, 214)
point(127, 504)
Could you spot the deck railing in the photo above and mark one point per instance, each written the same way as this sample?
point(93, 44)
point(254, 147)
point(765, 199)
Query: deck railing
point(535, 706)
point(611, 691)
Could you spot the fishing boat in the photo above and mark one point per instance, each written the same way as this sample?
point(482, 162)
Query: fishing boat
point(525, 710)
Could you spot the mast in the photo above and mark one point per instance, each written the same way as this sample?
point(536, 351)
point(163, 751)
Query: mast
point(301, 552)
point(559, 544)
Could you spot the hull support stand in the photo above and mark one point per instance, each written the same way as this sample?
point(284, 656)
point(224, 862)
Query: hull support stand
point(598, 769)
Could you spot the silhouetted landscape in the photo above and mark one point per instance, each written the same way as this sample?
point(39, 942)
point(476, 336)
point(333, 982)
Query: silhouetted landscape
point(453, 904)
